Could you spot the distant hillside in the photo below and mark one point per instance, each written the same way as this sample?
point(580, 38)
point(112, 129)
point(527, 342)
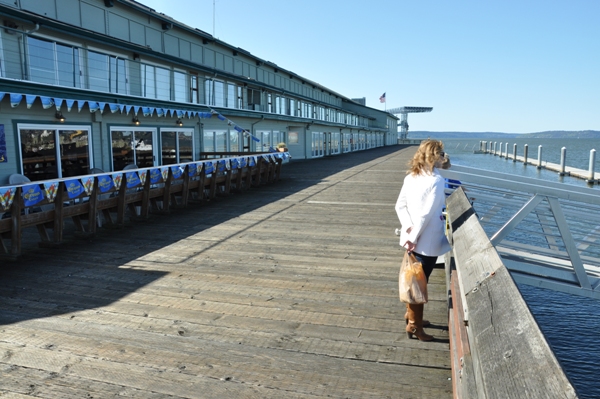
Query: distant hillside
point(555, 134)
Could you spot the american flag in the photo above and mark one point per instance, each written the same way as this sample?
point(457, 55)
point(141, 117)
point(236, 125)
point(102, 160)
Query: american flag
point(382, 98)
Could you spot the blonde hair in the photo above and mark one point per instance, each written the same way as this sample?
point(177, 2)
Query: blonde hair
point(427, 155)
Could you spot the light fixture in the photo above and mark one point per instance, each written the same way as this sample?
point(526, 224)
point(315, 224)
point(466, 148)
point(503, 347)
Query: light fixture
point(179, 122)
point(135, 120)
point(58, 115)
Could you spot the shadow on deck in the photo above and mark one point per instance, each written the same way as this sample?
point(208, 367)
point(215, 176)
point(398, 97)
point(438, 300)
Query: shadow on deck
point(287, 290)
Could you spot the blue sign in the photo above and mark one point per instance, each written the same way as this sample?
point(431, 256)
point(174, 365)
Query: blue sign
point(32, 194)
point(155, 176)
point(105, 183)
point(176, 171)
point(132, 179)
point(74, 188)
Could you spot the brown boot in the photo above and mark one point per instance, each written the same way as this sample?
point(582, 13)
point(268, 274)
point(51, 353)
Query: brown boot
point(415, 323)
point(425, 322)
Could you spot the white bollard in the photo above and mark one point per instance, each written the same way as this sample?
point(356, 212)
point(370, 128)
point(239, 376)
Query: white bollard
point(592, 165)
point(563, 159)
point(515, 152)
point(539, 165)
point(500, 150)
point(506, 150)
point(525, 151)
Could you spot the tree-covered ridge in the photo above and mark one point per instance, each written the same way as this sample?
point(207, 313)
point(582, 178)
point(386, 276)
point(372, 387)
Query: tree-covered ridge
point(554, 134)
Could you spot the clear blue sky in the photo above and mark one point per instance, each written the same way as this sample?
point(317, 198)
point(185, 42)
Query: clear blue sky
point(514, 66)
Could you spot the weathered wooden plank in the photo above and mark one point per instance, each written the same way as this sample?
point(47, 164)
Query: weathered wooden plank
point(510, 356)
point(261, 294)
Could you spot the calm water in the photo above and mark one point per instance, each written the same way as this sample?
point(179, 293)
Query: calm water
point(578, 156)
point(570, 323)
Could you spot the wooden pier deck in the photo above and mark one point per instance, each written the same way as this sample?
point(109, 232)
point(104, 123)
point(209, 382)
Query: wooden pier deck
point(284, 291)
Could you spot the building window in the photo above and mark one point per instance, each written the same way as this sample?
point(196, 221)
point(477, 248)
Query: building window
point(53, 63)
point(50, 152)
point(215, 141)
point(132, 146)
point(265, 140)
point(180, 87)
point(177, 146)
point(254, 97)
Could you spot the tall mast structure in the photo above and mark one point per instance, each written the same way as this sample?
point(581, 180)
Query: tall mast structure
point(403, 112)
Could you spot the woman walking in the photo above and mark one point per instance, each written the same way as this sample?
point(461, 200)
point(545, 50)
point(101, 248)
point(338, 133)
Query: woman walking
point(419, 208)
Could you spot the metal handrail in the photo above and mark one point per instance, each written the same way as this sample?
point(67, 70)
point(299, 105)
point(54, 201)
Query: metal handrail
point(547, 233)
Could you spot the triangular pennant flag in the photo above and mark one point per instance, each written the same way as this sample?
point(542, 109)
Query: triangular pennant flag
point(46, 102)
point(160, 112)
point(29, 99)
point(70, 104)
point(80, 104)
point(117, 179)
point(15, 100)
point(147, 111)
point(176, 171)
point(133, 179)
point(136, 109)
point(228, 164)
point(142, 174)
point(165, 173)
point(32, 194)
point(2, 94)
point(101, 107)
point(74, 188)
point(113, 107)
point(58, 102)
point(155, 175)
point(192, 170)
point(88, 184)
point(93, 106)
point(105, 183)
point(127, 109)
point(7, 195)
point(50, 189)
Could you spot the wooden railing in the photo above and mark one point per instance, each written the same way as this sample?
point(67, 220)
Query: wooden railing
point(498, 349)
point(134, 193)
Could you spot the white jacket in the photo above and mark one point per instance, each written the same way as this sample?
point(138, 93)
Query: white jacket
point(419, 206)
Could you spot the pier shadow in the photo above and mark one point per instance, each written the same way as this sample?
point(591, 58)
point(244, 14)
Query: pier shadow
point(94, 272)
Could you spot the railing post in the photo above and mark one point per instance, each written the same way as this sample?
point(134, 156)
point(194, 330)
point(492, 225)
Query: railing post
point(525, 152)
point(592, 165)
point(539, 165)
point(500, 150)
point(506, 149)
point(515, 152)
point(563, 159)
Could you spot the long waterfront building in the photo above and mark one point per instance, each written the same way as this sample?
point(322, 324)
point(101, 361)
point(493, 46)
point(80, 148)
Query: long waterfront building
point(102, 84)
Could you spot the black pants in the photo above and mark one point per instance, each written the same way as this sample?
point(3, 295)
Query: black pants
point(428, 263)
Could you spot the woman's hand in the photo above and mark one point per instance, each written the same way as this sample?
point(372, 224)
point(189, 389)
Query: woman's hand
point(409, 246)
